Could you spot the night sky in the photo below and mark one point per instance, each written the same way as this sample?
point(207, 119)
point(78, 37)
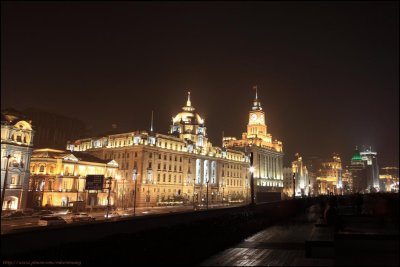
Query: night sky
point(327, 72)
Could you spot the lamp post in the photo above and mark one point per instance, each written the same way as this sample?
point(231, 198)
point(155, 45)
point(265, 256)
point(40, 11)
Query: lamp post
point(77, 190)
point(252, 179)
point(108, 196)
point(4, 184)
point(194, 190)
point(134, 177)
point(294, 185)
point(123, 194)
point(207, 193)
point(223, 188)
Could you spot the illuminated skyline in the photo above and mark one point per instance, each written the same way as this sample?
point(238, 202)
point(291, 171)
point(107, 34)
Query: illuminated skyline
point(327, 73)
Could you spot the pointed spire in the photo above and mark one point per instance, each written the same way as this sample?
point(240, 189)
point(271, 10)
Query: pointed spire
point(151, 125)
point(188, 103)
point(256, 102)
point(223, 139)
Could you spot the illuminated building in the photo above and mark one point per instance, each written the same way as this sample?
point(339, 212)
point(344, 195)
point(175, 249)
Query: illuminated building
point(372, 169)
point(16, 141)
point(303, 185)
point(389, 179)
point(347, 181)
point(287, 191)
point(58, 178)
point(175, 168)
point(358, 173)
point(329, 176)
point(267, 154)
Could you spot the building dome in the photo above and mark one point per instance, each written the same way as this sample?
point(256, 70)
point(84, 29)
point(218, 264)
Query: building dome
point(188, 115)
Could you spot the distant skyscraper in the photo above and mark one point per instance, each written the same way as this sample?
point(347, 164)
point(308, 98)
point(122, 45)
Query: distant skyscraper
point(372, 168)
point(358, 173)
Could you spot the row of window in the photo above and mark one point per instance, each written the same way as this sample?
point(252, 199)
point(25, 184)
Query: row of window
point(41, 168)
point(169, 167)
point(166, 145)
point(169, 178)
point(120, 155)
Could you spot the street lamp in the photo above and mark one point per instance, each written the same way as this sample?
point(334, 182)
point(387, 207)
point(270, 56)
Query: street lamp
point(119, 179)
point(4, 184)
point(134, 177)
point(207, 193)
point(223, 188)
point(109, 192)
point(194, 190)
point(123, 194)
point(294, 185)
point(252, 179)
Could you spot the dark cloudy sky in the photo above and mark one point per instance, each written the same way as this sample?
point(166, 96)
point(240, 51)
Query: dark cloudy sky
point(327, 71)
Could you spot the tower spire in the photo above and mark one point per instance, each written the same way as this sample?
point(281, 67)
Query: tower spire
point(255, 88)
point(256, 102)
point(188, 103)
point(151, 125)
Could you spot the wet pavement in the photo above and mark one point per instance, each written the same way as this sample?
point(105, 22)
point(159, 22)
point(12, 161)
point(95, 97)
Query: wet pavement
point(375, 242)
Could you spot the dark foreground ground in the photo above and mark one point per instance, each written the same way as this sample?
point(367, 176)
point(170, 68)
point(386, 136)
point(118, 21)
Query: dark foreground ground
point(363, 239)
point(267, 234)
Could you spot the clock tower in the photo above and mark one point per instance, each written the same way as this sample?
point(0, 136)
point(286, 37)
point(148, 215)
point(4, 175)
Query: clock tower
point(267, 154)
point(256, 127)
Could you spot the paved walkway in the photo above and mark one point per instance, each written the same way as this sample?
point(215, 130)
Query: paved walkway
point(364, 240)
point(277, 245)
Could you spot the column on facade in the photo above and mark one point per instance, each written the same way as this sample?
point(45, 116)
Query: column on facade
point(272, 167)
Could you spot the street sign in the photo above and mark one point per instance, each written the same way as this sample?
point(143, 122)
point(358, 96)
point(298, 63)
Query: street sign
point(94, 182)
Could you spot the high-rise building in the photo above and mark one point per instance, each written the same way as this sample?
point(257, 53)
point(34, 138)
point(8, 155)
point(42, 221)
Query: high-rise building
point(372, 168)
point(175, 168)
point(358, 173)
point(16, 149)
point(267, 153)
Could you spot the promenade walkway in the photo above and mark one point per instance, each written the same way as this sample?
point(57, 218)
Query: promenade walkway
point(277, 245)
point(364, 240)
